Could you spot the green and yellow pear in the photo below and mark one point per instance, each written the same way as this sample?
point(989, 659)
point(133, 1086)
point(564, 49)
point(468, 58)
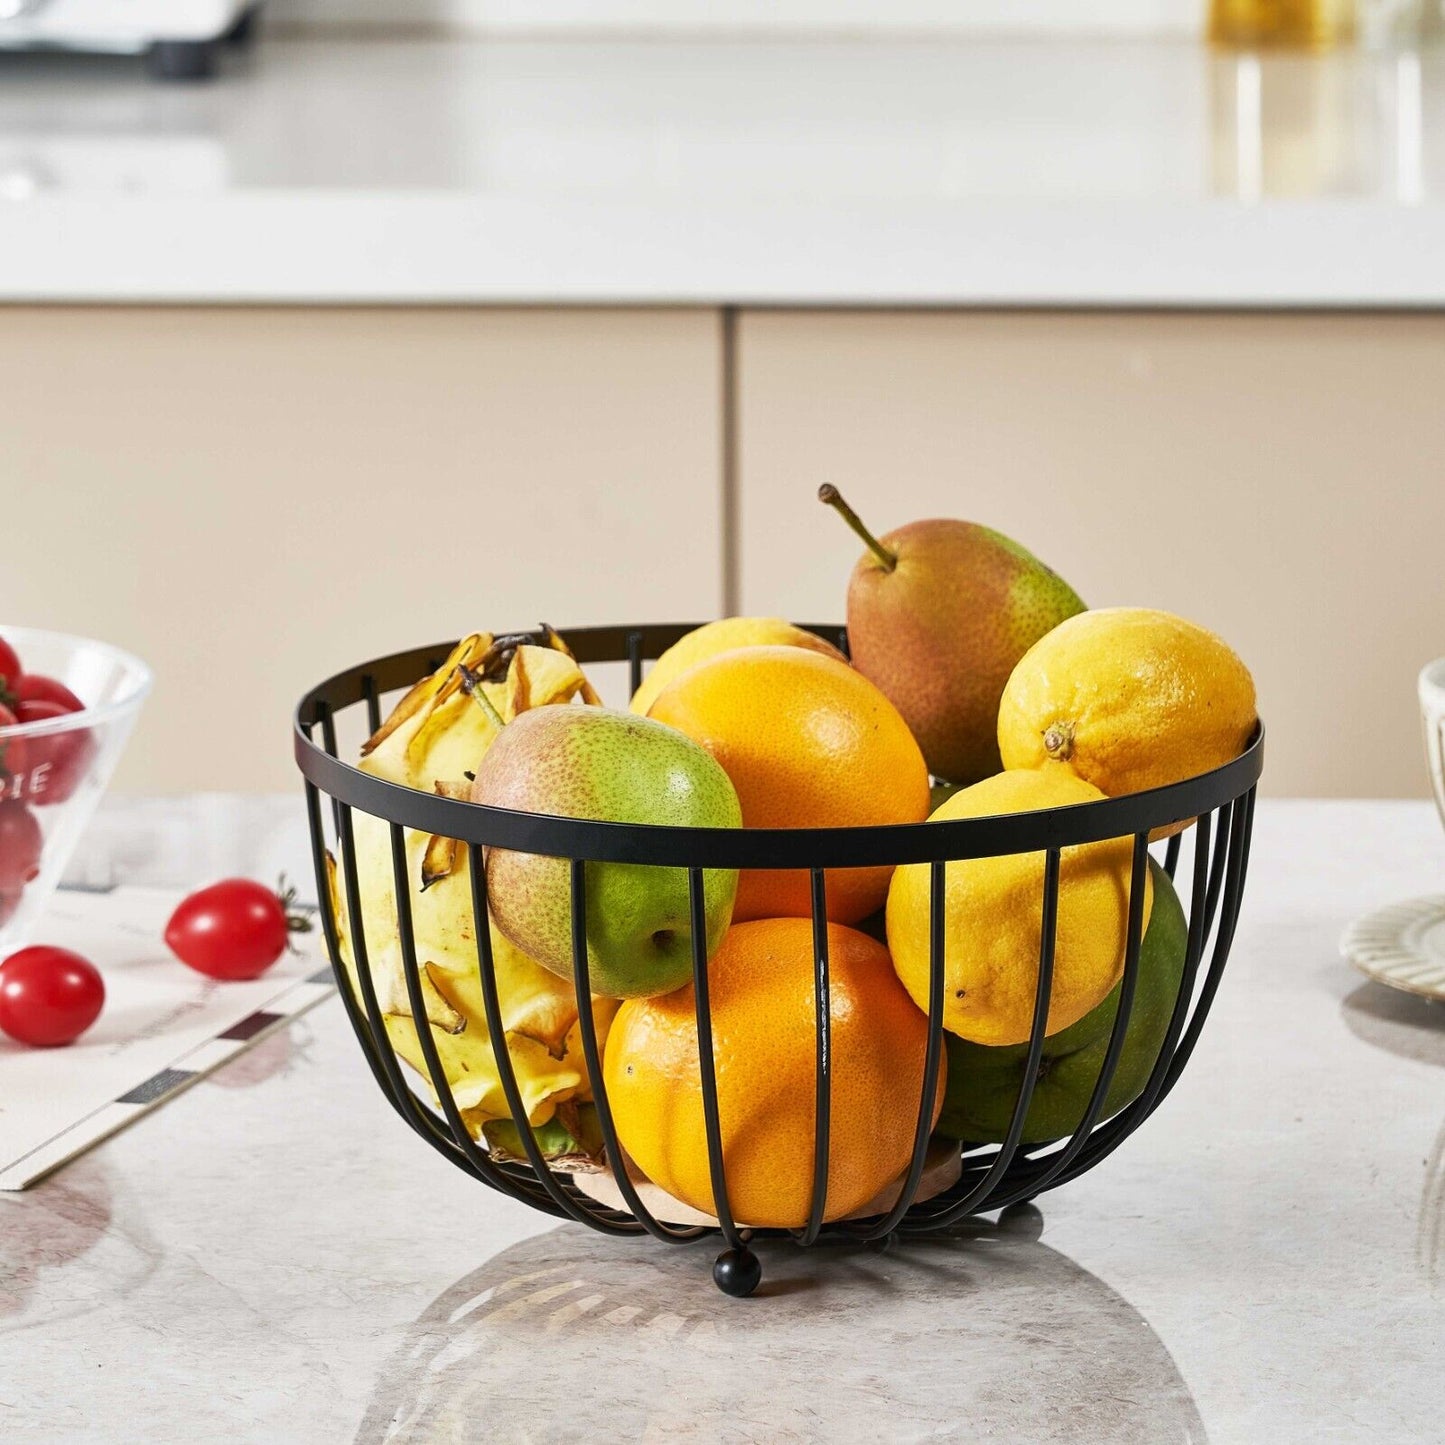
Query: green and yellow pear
point(613, 766)
point(939, 613)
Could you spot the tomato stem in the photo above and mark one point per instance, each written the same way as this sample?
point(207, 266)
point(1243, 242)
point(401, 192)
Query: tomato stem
point(296, 921)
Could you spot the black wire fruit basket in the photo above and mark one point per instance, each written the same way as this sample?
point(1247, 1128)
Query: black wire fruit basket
point(1219, 804)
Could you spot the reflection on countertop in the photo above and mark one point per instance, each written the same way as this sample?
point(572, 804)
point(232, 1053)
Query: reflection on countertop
point(61, 1254)
point(1405, 1024)
point(1410, 1027)
point(573, 1336)
point(947, 171)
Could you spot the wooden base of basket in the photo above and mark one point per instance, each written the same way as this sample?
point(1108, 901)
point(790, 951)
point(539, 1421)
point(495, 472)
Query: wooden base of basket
point(942, 1166)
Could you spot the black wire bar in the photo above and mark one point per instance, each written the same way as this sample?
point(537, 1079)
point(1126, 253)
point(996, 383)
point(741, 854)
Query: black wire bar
point(582, 981)
point(930, 1216)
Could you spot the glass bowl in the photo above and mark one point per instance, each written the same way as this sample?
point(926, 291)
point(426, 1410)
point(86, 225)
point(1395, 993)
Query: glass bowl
point(54, 771)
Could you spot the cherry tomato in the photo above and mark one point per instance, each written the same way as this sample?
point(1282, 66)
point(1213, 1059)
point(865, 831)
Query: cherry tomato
point(36, 687)
point(14, 753)
point(10, 669)
point(49, 996)
point(234, 929)
point(20, 844)
point(9, 902)
point(55, 764)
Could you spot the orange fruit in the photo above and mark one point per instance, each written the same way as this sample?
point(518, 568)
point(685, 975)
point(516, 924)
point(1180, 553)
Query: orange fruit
point(726, 635)
point(760, 984)
point(808, 742)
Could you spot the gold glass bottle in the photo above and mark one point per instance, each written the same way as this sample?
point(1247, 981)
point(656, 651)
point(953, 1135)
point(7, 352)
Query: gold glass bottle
point(1303, 24)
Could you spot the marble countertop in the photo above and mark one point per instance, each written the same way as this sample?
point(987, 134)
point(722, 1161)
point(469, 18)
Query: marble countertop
point(273, 1256)
point(946, 172)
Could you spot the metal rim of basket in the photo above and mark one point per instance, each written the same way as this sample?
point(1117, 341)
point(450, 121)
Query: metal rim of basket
point(1221, 803)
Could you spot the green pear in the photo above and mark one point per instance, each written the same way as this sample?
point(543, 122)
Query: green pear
point(983, 1082)
point(939, 613)
point(595, 762)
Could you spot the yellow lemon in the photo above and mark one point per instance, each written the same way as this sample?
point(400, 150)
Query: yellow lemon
point(724, 636)
point(1129, 698)
point(994, 918)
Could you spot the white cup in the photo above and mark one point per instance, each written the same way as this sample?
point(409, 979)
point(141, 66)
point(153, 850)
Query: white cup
point(1432, 714)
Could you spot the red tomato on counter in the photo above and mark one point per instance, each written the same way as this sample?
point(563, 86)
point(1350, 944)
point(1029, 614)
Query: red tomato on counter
point(234, 929)
point(49, 996)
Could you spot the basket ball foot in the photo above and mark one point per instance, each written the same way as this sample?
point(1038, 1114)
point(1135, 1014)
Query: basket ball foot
point(737, 1272)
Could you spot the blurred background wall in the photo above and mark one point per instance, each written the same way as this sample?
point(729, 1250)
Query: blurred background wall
point(252, 499)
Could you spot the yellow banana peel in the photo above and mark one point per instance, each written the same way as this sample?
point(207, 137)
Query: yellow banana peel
point(434, 737)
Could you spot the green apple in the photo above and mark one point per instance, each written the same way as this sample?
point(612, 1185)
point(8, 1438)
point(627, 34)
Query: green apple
point(983, 1083)
point(595, 762)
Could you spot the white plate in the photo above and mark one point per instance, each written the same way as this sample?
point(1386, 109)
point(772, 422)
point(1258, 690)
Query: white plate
point(1402, 945)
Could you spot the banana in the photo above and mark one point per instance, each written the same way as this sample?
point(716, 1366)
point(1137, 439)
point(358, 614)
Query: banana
point(432, 741)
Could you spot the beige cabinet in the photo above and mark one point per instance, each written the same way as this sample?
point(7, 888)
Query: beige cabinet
point(253, 498)
point(1276, 477)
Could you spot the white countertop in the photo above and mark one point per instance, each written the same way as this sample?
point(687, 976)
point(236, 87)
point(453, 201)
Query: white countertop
point(274, 1256)
point(941, 172)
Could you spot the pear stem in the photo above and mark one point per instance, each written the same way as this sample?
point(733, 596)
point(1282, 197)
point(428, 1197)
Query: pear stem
point(830, 496)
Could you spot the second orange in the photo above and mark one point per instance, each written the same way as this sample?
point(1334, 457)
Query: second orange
point(808, 742)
